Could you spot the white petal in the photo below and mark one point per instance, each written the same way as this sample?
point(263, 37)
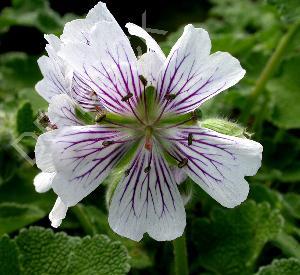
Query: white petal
point(108, 65)
point(179, 175)
point(150, 65)
point(53, 46)
point(58, 213)
point(78, 30)
point(193, 75)
point(152, 45)
point(61, 111)
point(218, 163)
point(43, 181)
point(147, 201)
point(57, 78)
point(43, 152)
point(81, 160)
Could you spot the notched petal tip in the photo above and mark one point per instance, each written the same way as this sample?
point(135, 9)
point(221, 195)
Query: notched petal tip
point(58, 213)
point(43, 181)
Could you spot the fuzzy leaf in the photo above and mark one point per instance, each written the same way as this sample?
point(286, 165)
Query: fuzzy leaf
point(45, 252)
point(231, 241)
point(99, 255)
point(281, 267)
point(9, 263)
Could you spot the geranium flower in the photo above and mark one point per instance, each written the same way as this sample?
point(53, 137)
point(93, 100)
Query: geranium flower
point(140, 117)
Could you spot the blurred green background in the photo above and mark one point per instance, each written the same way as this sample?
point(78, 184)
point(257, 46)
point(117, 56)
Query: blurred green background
point(259, 237)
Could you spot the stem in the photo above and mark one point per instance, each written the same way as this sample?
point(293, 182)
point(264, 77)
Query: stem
point(180, 253)
point(84, 220)
point(270, 68)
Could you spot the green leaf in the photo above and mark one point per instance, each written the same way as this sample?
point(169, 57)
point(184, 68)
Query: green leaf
point(285, 95)
point(14, 216)
point(281, 267)
point(9, 263)
point(99, 255)
point(45, 252)
point(25, 119)
point(32, 13)
point(292, 204)
point(289, 9)
point(18, 71)
point(288, 244)
point(231, 241)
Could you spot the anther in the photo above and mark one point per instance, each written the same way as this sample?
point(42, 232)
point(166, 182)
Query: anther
point(127, 172)
point(107, 143)
point(196, 114)
point(170, 97)
point(147, 169)
point(182, 163)
point(98, 108)
point(100, 117)
point(190, 139)
point(127, 97)
point(143, 80)
point(43, 119)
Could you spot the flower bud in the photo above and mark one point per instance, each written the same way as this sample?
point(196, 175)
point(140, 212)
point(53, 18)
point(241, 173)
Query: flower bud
point(225, 127)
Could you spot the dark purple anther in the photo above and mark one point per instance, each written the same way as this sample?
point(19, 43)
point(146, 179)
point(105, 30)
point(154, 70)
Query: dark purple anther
point(127, 97)
point(182, 163)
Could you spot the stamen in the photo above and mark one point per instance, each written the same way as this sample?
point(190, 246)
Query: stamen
point(143, 80)
point(43, 119)
point(127, 172)
point(148, 144)
point(148, 135)
point(107, 143)
point(182, 163)
point(100, 117)
point(98, 109)
point(190, 139)
point(170, 96)
point(147, 169)
point(127, 97)
point(196, 114)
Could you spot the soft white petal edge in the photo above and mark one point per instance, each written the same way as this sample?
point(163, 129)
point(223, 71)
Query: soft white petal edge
point(58, 213)
point(43, 181)
point(152, 45)
point(43, 151)
point(61, 111)
point(219, 163)
point(147, 202)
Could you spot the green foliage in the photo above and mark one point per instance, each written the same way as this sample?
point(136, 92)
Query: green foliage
point(284, 93)
point(43, 252)
point(18, 71)
point(9, 262)
point(32, 13)
point(99, 255)
point(25, 119)
point(14, 216)
point(289, 9)
point(281, 267)
point(231, 240)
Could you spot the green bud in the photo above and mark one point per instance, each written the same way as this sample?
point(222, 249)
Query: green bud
point(225, 127)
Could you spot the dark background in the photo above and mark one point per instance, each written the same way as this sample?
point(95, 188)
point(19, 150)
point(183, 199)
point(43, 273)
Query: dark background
point(165, 15)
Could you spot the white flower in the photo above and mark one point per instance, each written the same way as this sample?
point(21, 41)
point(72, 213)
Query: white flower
point(149, 123)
